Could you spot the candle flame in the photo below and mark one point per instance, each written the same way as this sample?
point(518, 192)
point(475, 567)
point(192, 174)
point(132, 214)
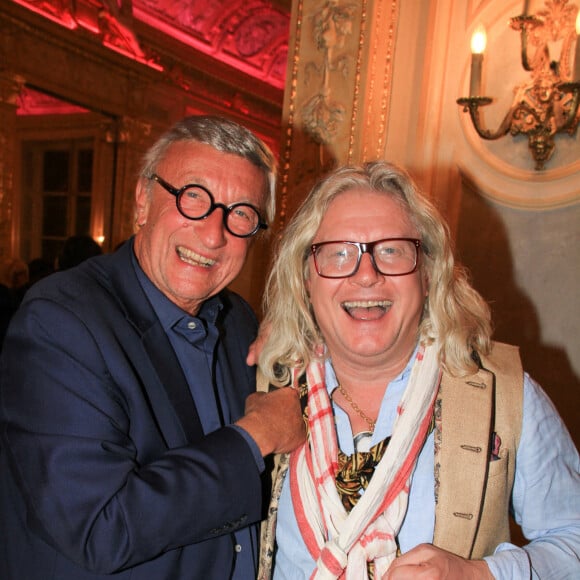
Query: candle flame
point(478, 40)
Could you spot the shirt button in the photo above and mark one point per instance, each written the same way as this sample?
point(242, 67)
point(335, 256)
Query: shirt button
point(191, 325)
point(238, 548)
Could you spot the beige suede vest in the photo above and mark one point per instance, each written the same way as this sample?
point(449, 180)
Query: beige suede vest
point(472, 511)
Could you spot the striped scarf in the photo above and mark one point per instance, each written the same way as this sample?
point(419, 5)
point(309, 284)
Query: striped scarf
point(343, 542)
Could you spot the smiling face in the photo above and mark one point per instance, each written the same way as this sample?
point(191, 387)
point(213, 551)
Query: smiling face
point(368, 319)
point(191, 261)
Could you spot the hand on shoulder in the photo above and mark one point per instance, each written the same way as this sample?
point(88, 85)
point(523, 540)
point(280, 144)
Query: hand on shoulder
point(274, 420)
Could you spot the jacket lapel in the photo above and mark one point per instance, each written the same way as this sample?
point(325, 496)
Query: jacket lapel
point(171, 382)
point(155, 359)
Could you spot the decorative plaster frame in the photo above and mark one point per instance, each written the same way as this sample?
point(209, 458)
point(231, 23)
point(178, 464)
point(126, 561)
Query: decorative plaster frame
point(502, 170)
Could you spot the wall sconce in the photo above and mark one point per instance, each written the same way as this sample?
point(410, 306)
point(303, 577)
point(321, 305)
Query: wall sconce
point(548, 103)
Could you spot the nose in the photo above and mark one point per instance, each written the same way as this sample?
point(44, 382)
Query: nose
point(211, 229)
point(367, 274)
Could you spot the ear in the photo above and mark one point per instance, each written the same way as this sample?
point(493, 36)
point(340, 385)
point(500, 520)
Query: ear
point(142, 203)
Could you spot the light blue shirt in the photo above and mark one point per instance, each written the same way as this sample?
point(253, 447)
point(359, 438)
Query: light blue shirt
point(545, 497)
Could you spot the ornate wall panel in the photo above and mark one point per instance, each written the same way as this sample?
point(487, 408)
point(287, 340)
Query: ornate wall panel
point(249, 35)
point(338, 90)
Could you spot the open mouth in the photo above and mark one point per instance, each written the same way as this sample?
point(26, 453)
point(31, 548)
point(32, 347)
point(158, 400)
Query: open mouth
point(193, 259)
point(366, 309)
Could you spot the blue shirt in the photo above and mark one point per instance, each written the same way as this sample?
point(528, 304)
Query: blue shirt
point(194, 339)
point(545, 497)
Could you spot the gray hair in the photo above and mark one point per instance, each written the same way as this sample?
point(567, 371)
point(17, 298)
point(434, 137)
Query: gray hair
point(223, 135)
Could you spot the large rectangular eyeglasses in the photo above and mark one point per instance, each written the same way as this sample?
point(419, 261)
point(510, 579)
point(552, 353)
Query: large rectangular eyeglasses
point(390, 257)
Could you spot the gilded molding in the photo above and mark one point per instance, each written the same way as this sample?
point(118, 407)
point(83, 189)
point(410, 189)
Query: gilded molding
point(338, 90)
point(290, 114)
point(250, 35)
point(321, 113)
point(10, 87)
point(110, 20)
point(373, 83)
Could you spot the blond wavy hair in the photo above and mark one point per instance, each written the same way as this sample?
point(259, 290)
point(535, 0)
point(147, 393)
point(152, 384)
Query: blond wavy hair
point(454, 313)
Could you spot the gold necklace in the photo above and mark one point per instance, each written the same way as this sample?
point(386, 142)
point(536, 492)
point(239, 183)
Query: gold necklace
point(359, 411)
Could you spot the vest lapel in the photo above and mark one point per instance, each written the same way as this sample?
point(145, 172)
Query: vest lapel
point(466, 422)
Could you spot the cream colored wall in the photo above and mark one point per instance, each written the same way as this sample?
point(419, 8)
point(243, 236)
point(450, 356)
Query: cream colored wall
point(517, 229)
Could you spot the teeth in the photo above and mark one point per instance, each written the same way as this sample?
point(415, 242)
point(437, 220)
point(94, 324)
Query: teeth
point(193, 258)
point(367, 304)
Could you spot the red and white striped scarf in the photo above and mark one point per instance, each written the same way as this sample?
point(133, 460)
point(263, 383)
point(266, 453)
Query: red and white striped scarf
point(340, 542)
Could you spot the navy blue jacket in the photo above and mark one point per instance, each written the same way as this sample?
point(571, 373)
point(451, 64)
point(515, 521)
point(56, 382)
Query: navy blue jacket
point(103, 465)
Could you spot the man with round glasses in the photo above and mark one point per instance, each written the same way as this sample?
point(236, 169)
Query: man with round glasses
point(196, 202)
point(125, 447)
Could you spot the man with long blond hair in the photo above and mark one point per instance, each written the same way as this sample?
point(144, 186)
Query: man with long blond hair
point(424, 434)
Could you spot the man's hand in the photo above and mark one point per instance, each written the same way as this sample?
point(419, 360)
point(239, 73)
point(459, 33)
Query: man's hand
point(274, 420)
point(427, 562)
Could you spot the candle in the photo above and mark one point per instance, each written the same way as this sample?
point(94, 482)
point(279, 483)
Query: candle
point(478, 41)
point(576, 75)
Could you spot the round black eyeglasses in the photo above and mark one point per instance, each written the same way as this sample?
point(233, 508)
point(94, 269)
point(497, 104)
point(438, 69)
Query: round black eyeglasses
point(195, 202)
point(390, 257)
